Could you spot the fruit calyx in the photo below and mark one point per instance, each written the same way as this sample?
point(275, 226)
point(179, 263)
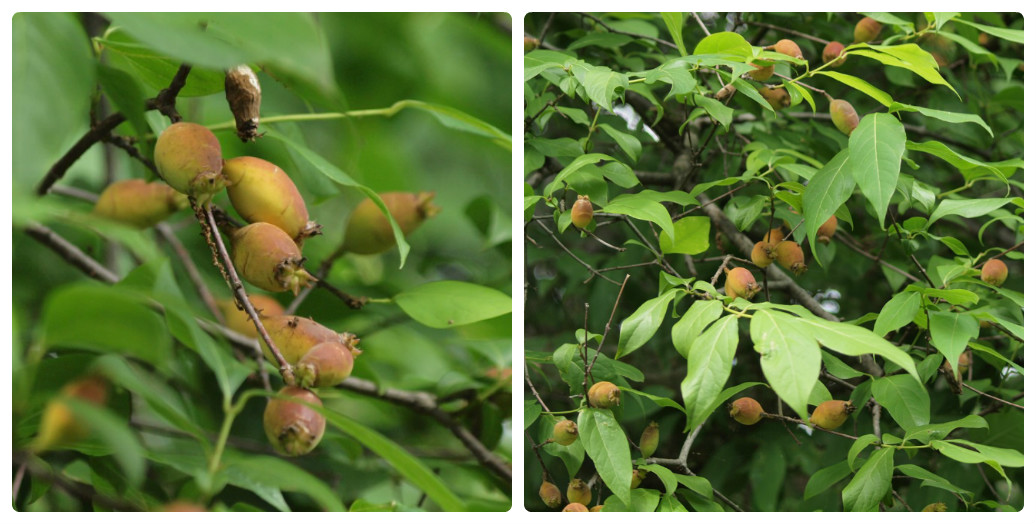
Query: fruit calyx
point(746, 410)
point(189, 158)
point(604, 395)
point(269, 259)
point(324, 365)
point(293, 428)
point(565, 432)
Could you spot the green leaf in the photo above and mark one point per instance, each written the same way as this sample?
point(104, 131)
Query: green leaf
point(824, 479)
point(875, 149)
point(859, 445)
point(870, 484)
point(788, 355)
point(160, 398)
point(661, 401)
point(904, 398)
point(155, 70)
point(1005, 457)
point(674, 23)
point(709, 363)
point(860, 85)
point(897, 312)
point(925, 434)
point(601, 84)
point(969, 167)
point(115, 433)
point(1011, 35)
point(639, 327)
point(945, 116)
point(957, 297)
point(907, 56)
point(332, 172)
point(267, 476)
point(412, 469)
point(693, 322)
point(692, 236)
point(667, 477)
point(830, 187)
point(951, 333)
point(606, 444)
point(532, 412)
point(574, 167)
point(627, 142)
point(716, 109)
point(724, 43)
point(855, 341)
point(931, 479)
point(455, 119)
point(641, 207)
point(670, 504)
point(449, 303)
point(968, 208)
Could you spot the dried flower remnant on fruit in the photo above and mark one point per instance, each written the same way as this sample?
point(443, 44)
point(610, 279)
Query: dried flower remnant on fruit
point(832, 413)
point(649, 440)
point(994, 272)
point(565, 432)
point(866, 29)
point(59, 425)
point(550, 495)
point(582, 212)
point(262, 192)
point(790, 256)
point(324, 365)
point(137, 203)
point(575, 507)
point(844, 116)
point(369, 232)
point(244, 96)
point(832, 51)
point(604, 395)
point(269, 259)
point(777, 97)
point(579, 492)
point(788, 47)
point(292, 427)
point(827, 230)
point(190, 159)
point(741, 283)
point(746, 410)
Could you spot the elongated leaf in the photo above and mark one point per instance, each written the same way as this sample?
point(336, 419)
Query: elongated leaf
point(788, 355)
point(627, 142)
point(830, 187)
point(601, 84)
point(855, 341)
point(924, 434)
point(969, 208)
point(693, 322)
point(571, 169)
point(931, 479)
point(267, 476)
point(708, 367)
point(643, 208)
point(860, 85)
point(639, 327)
point(909, 57)
point(951, 333)
point(114, 432)
point(724, 43)
point(1011, 35)
point(449, 303)
point(674, 23)
point(871, 483)
point(692, 236)
point(875, 150)
point(945, 116)
point(606, 444)
point(825, 478)
point(897, 312)
point(906, 400)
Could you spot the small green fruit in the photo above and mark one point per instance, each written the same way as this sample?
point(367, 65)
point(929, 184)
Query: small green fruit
point(637, 478)
point(867, 29)
point(582, 212)
point(935, 506)
point(189, 158)
point(746, 411)
point(531, 43)
point(262, 192)
point(832, 413)
point(831, 52)
point(844, 116)
point(293, 428)
point(790, 257)
point(550, 495)
point(266, 257)
point(137, 203)
point(324, 365)
point(741, 283)
point(565, 432)
point(575, 507)
point(994, 272)
point(761, 254)
point(776, 96)
point(369, 232)
point(763, 71)
point(649, 440)
point(579, 492)
point(788, 47)
point(604, 395)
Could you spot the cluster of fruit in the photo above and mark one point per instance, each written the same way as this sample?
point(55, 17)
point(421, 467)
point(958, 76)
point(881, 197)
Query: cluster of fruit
point(829, 414)
point(843, 115)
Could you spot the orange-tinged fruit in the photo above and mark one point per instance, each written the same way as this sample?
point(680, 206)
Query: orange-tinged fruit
point(565, 432)
point(788, 47)
point(597, 508)
point(59, 426)
point(369, 232)
point(239, 321)
point(827, 230)
point(649, 440)
point(582, 212)
point(137, 203)
point(762, 72)
point(994, 272)
point(604, 395)
point(866, 29)
point(182, 506)
point(531, 43)
point(262, 192)
point(190, 159)
point(579, 492)
point(761, 253)
point(773, 236)
point(832, 413)
point(831, 51)
point(935, 506)
point(324, 365)
point(637, 477)
point(293, 428)
point(266, 257)
point(746, 410)
point(550, 495)
point(294, 336)
point(790, 257)
point(575, 507)
point(776, 96)
point(844, 116)
point(741, 283)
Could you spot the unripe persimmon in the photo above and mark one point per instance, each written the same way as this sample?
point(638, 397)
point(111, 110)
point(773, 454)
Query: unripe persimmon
point(994, 272)
point(565, 432)
point(831, 51)
point(293, 428)
point(746, 410)
point(190, 159)
point(262, 192)
point(741, 283)
point(649, 440)
point(266, 257)
point(762, 72)
point(369, 232)
point(550, 495)
point(827, 230)
point(325, 364)
point(844, 116)
point(866, 29)
point(294, 336)
point(935, 506)
point(579, 492)
point(575, 507)
point(178, 506)
point(761, 254)
point(790, 257)
point(637, 477)
point(582, 212)
point(604, 395)
point(832, 413)
point(597, 508)
point(137, 203)
point(788, 47)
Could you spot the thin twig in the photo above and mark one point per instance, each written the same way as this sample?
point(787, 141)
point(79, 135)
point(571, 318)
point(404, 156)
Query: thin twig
point(842, 237)
point(608, 326)
point(325, 268)
point(528, 380)
point(634, 35)
point(789, 31)
point(987, 395)
point(71, 253)
point(574, 256)
point(166, 234)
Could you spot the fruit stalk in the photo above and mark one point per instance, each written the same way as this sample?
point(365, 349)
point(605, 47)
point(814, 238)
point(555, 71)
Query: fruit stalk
point(238, 289)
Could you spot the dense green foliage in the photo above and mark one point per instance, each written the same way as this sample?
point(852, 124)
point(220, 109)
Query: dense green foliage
point(655, 118)
point(353, 105)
